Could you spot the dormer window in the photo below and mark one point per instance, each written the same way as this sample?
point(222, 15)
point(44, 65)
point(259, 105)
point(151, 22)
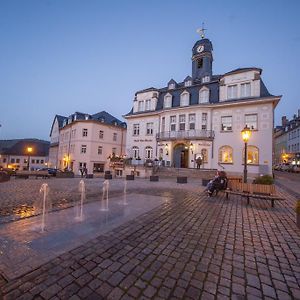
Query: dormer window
point(148, 104)
point(232, 92)
point(168, 101)
point(204, 95)
point(171, 86)
point(86, 117)
point(184, 99)
point(206, 79)
point(188, 83)
point(245, 90)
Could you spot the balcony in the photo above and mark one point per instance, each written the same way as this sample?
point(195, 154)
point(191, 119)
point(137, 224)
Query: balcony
point(186, 135)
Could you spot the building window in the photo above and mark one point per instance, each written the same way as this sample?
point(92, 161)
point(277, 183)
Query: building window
point(136, 129)
point(184, 99)
point(225, 155)
point(114, 151)
point(73, 133)
point(245, 90)
point(232, 92)
point(141, 106)
point(173, 123)
point(226, 123)
point(171, 86)
point(252, 155)
point(168, 101)
point(37, 161)
point(163, 124)
point(12, 160)
point(18, 160)
point(33, 161)
point(181, 122)
point(148, 152)
point(188, 83)
point(114, 136)
point(42, 161)
point(148, 104)
point(101, 134)
point(192, 120)
point(84, 132)
point(206, 79)
point(251, 121)
point(135, 152)
point(200, 63)
point(83, 149)
point(149, 128)
point(100, 150)
point(204, 121)
point(204, 95)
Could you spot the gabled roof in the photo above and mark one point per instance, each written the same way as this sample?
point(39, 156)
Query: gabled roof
point(187, 78)
point(60, 120)
point(172, 81)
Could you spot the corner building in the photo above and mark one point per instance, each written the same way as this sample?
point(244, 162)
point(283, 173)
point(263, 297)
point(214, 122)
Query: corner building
point(203, 116)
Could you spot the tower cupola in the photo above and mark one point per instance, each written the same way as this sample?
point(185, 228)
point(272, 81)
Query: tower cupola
point(202, 60)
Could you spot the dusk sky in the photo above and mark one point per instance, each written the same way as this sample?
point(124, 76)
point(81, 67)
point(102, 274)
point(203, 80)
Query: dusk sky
point(59, 56)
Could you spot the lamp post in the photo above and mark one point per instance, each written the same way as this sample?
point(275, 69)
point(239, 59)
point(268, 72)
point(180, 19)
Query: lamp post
point(29, 150)
point(246, 133)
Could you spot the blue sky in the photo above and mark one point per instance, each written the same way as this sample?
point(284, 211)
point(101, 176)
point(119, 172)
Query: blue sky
point(60, 56)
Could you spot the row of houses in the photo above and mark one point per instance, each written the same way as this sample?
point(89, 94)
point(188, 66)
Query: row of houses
point(199, 117)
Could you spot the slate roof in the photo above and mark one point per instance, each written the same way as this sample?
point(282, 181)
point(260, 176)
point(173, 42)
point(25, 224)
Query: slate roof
point(19, 147)
point(107, 118)
point(239, 70)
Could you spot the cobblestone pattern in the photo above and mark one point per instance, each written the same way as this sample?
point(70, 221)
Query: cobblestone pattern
point(194, 247)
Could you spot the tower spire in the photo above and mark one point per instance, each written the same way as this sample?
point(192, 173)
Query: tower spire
point(201, 31)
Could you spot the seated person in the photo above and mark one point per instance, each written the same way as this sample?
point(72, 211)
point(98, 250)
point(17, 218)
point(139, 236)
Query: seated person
point(219, 182)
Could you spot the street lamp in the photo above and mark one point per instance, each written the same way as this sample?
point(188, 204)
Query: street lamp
point(246, 133)
point(29, 150)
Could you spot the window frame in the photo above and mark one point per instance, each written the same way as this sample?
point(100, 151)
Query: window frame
point(222, 124)
point(221, 156)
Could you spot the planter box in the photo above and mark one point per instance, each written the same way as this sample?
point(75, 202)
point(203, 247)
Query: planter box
point(181, 179)
point(129, 177)
point(65, 174)
point(154, 178)
point(107, 176)
point(205, 182)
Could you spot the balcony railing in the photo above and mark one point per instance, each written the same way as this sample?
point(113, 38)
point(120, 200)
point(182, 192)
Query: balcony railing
point(186, 134)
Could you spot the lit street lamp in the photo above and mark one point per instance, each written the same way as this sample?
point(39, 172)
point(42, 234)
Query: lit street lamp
point(29, 150)
point(246, 133)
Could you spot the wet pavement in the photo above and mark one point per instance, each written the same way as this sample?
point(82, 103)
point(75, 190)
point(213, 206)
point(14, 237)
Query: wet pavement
point(188, 247)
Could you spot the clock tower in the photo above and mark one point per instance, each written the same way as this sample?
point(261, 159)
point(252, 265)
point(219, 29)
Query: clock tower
point(202, 60)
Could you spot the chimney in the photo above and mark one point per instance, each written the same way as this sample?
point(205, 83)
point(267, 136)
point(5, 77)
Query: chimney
point(284, 121)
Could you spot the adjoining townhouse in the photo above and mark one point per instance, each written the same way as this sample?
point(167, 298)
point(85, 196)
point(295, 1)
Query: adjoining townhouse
point(24, 154)
point(287, 140)
point(203, 117)
point(86, 141)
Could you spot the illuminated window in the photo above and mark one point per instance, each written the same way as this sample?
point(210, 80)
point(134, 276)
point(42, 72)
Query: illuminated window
point(204, 155)
point(252, 155)
point(225, 155)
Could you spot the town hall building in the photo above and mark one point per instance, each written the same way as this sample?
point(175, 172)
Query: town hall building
point(203, 116)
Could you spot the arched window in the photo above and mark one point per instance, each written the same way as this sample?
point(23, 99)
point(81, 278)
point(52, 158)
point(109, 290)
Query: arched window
point(185, 99)
point(168, 101)
point(225, 155)
point(252, 155)
point(135, 152)
point(204, 155)
point(204, 95)
point(148, 152)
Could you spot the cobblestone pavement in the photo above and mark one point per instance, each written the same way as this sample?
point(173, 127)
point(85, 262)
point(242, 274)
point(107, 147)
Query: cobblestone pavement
point(194, 247)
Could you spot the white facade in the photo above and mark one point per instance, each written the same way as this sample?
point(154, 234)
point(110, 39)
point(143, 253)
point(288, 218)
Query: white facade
point(210, 128)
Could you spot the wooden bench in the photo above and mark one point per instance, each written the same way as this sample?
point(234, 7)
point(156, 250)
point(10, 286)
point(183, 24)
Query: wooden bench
point(255, 191)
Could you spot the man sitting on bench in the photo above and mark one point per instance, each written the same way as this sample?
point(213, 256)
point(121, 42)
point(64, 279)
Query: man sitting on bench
point(218, 183)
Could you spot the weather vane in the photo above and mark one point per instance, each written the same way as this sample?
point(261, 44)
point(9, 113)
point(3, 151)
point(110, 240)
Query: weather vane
point(201, 31)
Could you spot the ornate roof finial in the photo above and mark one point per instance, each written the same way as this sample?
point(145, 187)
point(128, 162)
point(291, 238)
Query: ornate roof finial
point(201, 31)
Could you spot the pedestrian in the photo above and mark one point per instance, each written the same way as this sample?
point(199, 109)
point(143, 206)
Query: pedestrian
point(199, 162)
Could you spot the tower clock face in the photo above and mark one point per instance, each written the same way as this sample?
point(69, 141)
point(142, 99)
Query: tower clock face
point(200, 48)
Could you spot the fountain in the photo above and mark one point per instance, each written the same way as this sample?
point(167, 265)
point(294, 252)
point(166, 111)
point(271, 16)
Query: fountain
point(125, 194)
point(79, 215)
point(45, 190)
point(104, 206)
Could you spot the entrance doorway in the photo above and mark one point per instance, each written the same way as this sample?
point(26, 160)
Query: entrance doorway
point(181, 154)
